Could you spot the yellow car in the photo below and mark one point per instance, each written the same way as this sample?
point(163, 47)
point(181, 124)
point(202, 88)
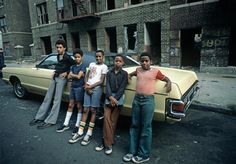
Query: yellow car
point(169, 106)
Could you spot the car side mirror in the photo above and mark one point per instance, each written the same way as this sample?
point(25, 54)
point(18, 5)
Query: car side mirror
point(4, 65)
point(37, 65)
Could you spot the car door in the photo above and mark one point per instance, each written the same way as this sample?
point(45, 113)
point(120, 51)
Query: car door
point(41, 75)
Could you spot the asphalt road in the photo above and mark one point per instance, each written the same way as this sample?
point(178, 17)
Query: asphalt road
point(202, 137)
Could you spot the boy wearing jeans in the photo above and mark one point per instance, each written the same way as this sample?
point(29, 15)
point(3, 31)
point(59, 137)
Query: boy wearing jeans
point(93, 92)
point(143, 109)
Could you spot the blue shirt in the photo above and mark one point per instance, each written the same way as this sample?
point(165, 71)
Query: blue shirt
point(75, 69)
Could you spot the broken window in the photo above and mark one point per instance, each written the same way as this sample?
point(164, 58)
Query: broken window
point(130, 32)
point(110, 4)
point(46, 45)
point(92, 40)
point(3, 25)
point(74, 8)
point(60, 9)
point(42, 13)
point(110, 39)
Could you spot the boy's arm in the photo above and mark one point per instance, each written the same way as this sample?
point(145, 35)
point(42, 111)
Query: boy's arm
point(108, 86)
point(132, 74)
point(99, 82)
point(122, 87)
point(86, 77)
point(77, 76)
point(168, 84)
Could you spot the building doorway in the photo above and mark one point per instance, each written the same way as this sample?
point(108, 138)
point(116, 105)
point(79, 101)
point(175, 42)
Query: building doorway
point(152, 40)
point(92, 40)
point(46, 45)
point(190, 47)
point(232, 47)
point(75, 40)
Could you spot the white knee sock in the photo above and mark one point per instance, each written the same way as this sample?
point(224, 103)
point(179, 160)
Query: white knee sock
point(67, 119)
point(79, 116)
point(90, 129)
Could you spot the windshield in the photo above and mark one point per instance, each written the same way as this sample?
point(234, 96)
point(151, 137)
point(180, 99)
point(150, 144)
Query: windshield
point(128, 61)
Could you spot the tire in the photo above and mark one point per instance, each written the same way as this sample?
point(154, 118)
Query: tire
point(19, 91)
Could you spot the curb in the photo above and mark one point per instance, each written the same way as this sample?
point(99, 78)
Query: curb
point(213, 108)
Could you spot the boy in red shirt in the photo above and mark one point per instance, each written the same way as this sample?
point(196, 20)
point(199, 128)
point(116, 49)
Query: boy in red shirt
point(143, 109)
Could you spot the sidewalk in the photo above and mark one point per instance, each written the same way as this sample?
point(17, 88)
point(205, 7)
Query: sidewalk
point(217, 93)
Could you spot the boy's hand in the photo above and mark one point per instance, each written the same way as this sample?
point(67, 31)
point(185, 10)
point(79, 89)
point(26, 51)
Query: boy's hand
point(114, 102)
point(70, 76)
point(63, 75)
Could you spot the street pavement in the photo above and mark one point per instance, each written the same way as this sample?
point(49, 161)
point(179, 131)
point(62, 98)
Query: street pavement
point(217, 93)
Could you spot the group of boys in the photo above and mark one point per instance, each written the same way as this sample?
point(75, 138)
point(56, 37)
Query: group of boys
point(86, 92)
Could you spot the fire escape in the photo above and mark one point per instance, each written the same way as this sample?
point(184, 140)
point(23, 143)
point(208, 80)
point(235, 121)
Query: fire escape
point(81, 10)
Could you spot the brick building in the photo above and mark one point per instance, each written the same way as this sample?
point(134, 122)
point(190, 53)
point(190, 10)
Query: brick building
point(114, 26)
point(15, 27)
point(178, 33)
point(202, 34)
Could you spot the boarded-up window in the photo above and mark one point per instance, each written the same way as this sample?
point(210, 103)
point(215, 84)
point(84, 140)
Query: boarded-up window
point(42, 13)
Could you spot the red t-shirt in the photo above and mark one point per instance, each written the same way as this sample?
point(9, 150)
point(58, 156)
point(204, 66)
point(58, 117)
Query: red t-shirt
point(146, 80)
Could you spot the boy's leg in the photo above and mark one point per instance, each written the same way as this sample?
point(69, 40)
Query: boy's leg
point(135, 125)
point(79, 114)
point(109, 125)
point(44, 107)
point(146, 137)
point(78, 119)
point(69, 112)
point(83, 121)
point(114, 118)
point(52, 117)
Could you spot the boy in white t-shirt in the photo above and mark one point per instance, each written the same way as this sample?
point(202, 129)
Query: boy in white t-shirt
point(93, 92)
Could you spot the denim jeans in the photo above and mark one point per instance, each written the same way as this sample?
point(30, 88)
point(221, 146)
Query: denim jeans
point(141, 127)
point(93, 99)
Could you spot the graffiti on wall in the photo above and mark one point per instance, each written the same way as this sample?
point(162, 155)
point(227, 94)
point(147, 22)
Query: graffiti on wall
point(218, 42)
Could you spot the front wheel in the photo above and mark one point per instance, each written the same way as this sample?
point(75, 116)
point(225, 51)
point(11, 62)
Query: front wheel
point(19, 90)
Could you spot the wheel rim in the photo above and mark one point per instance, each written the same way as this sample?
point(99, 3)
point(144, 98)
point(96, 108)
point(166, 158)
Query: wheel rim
point(19, 90)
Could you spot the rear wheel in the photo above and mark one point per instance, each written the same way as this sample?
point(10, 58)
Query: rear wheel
point(19, 90)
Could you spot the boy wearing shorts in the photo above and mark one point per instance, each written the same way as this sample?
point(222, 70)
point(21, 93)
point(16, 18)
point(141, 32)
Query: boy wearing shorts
point(93, 92)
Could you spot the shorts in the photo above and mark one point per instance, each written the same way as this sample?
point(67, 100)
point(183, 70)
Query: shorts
point(120, 101)
point(77, 94)
point(93, 99)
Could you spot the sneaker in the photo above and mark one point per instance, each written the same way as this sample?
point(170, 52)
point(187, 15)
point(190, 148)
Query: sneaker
point(86, 140)
point(138, 159)
point(128, 157)
point(62, 128)
point(100, 147)
point(76, 138)
point(35, 121)
point(75, 130)
point(44, 125)
point(108, 150)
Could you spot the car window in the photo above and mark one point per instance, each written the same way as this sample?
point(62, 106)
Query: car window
point(128, 61)
point(48, 63)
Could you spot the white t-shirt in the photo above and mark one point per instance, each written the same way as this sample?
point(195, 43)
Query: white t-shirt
point(96, 71)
